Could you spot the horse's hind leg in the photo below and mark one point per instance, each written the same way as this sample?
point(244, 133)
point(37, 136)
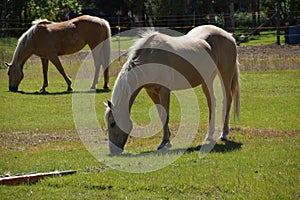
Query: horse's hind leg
point(55, 60)
point(211, 102)
point(106, 78)
point(45, 63)
point(161, 96)
point(96, 52)
point(227, 106)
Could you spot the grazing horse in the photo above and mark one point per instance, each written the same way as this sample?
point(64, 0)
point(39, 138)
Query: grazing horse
point(49, 40)
point(198, 56)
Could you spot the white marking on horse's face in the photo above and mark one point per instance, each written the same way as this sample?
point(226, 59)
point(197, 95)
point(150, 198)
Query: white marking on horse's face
point(116, 137)
point(15, 76)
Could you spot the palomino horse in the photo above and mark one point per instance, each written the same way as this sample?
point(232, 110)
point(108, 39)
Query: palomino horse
point(198, 56)
point(48, 40)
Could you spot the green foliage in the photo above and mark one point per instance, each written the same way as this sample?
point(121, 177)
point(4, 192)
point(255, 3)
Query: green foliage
point(52, 10)
point(19, 14)
point(244, 19)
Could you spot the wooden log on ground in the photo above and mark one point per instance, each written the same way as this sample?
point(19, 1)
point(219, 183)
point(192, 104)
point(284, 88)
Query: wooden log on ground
point(31, 178)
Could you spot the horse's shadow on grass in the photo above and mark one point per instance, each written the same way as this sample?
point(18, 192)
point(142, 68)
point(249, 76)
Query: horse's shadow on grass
point(65, 92)
point(222, 147)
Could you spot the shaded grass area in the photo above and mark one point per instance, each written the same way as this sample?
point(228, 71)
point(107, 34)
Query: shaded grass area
point(256, 170)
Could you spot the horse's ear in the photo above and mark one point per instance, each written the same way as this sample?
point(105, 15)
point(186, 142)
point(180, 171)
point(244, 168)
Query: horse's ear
point(7, 64)
point(108, 104)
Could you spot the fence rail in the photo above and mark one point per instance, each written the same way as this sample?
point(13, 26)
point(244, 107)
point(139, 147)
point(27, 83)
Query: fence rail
point(14, 28)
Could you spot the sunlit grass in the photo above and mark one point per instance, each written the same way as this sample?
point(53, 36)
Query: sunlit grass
point(37, 134)
point(264, 38)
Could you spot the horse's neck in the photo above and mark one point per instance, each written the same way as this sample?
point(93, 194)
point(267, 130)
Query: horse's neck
point(20, 60)
point(22, 53)
point(124, 92)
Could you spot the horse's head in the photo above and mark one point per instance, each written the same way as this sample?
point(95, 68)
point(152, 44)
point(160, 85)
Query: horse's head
point(118, 126)
point(15, 76)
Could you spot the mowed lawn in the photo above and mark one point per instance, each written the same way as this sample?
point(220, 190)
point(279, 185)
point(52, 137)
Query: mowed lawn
point(38, 134)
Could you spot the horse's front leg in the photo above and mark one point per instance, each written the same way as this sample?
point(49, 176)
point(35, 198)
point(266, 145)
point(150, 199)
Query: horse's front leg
point(55, 60)
point(161, 97)
point(166, 137)
point(45, 63)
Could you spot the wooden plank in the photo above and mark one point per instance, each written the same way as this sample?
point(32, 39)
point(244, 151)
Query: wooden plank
point(31, 178)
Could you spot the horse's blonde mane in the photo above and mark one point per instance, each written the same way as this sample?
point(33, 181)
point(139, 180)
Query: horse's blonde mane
point(138, 44)
point(144, 35)
point(22, 41)
point(121, 86)
point(38, 21)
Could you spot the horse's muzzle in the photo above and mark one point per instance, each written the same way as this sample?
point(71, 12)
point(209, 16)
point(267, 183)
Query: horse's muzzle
point(114, 149)
point(13, 88)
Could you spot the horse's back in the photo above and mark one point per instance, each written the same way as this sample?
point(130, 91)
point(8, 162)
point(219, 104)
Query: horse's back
point(215, 36)
point(188, 56)
point(87, 21)
point(70, 36)
point(223, 46)
point(93, 29)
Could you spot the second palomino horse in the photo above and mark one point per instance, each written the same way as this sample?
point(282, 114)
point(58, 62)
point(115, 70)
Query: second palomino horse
point(48, 40)
point(197, 56)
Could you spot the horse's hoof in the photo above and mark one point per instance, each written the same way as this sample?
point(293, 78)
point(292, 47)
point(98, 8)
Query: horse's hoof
point(42, 91)
point(223, 138)
point(169, 145)
point(209, 139)
point(69, 89)
point(164, 146)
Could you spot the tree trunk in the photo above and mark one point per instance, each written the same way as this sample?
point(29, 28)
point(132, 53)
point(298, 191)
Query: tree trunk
point(292, 12)
point(253, 8)
point(211, 12)
point(258, 12)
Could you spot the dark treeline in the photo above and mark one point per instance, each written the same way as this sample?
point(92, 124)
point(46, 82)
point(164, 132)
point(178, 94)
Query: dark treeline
point(16, 15)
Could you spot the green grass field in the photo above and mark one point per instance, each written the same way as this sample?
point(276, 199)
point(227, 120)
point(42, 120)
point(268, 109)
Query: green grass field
point(264, 38)
point(38, 134)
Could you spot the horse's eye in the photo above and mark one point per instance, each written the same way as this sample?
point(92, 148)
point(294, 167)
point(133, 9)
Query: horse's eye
point(112, 124)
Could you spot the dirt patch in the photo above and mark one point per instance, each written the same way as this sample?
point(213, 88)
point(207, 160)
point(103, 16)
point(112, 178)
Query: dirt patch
point(251, 58)
point(269, 57)
point(27, 139)
point(265, 132)
point(24, 140)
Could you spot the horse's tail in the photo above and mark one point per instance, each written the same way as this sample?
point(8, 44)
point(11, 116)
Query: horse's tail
point(235, 91)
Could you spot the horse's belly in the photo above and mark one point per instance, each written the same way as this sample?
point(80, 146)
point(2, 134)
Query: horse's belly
point(180, 84)
point(190, 77)
point(70, 47)
point(167, 76)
